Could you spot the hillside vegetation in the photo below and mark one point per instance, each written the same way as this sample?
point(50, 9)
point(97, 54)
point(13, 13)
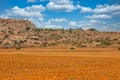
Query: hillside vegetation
point(22, 33)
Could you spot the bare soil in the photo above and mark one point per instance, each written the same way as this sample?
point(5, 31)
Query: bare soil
point(60, 64)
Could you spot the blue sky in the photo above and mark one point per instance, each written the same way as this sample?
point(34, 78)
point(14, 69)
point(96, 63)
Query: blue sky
point(100, 14)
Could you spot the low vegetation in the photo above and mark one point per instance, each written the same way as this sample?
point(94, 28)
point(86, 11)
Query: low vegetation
point(23, 33)
point(72, 48)
point(118, 48)
point(18, 48)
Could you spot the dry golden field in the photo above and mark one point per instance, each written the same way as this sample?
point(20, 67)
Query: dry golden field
point(60, 64)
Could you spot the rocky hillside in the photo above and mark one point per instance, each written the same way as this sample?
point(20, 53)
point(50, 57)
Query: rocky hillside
point(22, 33)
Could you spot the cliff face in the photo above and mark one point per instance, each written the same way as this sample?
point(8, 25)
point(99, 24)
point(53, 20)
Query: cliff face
point(22, 33)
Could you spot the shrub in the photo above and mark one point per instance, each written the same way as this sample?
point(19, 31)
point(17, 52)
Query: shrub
point(97, 45)
point(62, 30)
point(1, 41)
point(115, 39)
point(27, 27)
point(18, 48)
point(49, 29)
point(72, 48)
point(52, 44)
point(83, 46)
point(118, 42)
point(21, 41)
point(36, 43)
point(6, 36)
point(37, 30)
point(79, 29)
point(44, 44)
point(35, 38)
point(92, 29)
point(106, 41)
point(118, 48)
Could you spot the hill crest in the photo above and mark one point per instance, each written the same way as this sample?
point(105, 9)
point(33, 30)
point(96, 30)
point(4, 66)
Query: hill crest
point(23, 33)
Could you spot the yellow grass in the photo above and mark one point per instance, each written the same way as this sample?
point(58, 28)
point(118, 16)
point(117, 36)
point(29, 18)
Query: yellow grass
point(60, 64)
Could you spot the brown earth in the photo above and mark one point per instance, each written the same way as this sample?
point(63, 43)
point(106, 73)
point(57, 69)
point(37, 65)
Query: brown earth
point(31, 53)
point(22, 33)
point(60, 63)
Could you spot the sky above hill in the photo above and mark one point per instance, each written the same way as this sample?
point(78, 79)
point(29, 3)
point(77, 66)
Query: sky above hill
point(100, 14)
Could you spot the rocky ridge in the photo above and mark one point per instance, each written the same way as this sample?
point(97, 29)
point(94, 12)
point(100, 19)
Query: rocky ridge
point(23, 33)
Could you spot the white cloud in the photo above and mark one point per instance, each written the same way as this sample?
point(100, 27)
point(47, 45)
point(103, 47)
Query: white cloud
point(55, 23)
point(73, 23)
point(57, 20)
point(97, 24)
point(61, 5)
point(38, 8)
point(31, 0)
point(106, 8)
point(33, 11)
point(86, 9)
point(53, 26)
point(116, 13)
point(100, 16)
point(22, 12)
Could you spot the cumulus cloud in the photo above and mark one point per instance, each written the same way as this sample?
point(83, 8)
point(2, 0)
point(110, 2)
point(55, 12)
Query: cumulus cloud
point(57, 20)
point(85, 24)
point(56, 23)
point(101, 9)
point(116, 13)
point(86, 9)
point(106, 9)
point(34, 11)
point(97, 24)
point(73, 23)
point(53, 26)
point(61, 5)
point(38, 8)
point(99, 16)
point(31, 0)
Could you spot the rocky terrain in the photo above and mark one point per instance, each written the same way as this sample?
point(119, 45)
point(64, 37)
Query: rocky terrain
point(22, 33)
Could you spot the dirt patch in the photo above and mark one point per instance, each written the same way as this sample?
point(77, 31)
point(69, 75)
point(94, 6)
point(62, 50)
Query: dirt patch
point(60, 64)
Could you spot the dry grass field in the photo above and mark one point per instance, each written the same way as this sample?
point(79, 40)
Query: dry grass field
point(60, 64)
